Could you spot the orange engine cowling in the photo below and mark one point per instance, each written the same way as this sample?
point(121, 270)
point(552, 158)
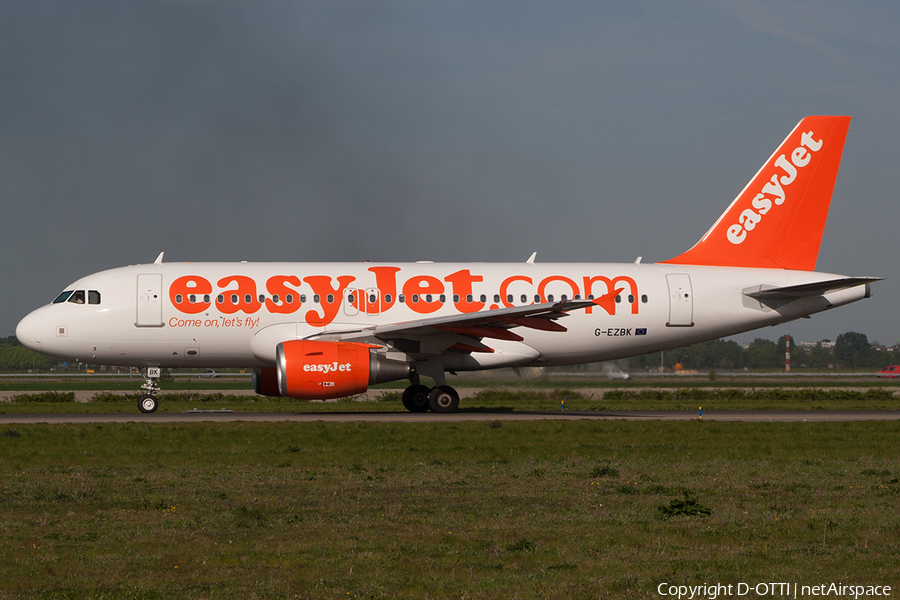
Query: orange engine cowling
point(309, 369)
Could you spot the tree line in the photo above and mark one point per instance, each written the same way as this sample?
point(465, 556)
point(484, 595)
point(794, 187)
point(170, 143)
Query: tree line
point(851, 350)
point(16, 357)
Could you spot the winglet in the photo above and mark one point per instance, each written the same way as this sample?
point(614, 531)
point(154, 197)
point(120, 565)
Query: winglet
point(778, 218)
point(531, 258)
point(159, 258)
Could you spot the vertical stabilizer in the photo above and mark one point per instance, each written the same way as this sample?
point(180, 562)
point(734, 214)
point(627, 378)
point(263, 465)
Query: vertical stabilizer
point(778, 219)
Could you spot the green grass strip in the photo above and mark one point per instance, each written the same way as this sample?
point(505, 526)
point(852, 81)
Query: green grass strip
point(442, 510)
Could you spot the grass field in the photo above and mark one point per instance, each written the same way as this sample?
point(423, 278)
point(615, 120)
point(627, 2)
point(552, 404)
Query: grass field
point(443, 510)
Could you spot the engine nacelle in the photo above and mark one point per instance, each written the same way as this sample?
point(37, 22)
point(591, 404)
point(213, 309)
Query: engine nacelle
point(310, 369)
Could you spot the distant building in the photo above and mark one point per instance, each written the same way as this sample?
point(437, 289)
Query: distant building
point(822, 343)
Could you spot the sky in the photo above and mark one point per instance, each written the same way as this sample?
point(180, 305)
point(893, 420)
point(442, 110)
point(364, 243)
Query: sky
point(410, 130)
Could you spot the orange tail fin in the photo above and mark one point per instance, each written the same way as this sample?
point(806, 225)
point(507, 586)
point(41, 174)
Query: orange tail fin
point(778, 219)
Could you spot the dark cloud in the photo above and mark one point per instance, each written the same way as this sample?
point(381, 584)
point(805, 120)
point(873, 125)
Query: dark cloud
point(418, 130)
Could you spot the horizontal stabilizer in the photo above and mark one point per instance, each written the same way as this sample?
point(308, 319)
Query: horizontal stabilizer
point(792, 292)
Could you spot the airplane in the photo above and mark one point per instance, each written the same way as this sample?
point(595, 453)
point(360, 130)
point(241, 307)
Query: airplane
point(329, 330)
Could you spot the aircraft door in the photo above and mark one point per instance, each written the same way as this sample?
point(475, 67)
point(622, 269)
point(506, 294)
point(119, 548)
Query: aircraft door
point(681, 300)
point(149, 300)
point(352, 302)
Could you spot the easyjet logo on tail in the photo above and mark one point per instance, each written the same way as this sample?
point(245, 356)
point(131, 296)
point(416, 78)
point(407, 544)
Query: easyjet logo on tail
point(777, 220)
point(774, 189)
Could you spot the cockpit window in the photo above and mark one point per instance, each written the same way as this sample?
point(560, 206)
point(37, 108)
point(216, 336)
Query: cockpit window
point(78, 297)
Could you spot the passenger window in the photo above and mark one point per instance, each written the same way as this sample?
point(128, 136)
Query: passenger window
point(93, 297)
point(275, 298)
point(483, 298)
point(401, 298)
point(316, 298)
point(443, 298)
point(630, 299)
point(289, 298)
point(330, 298)
point(456, 298)
point(387, 298)
point(550, 298)
point(178, 299)
point(302, 298)
point(524, 298)
point(618, 299)
point(509, 298)
point(192, 299)
point(77, 297)
point(220, 299)
point(63, 297)
point(496, 297)
point(415, 298)
point(351, 298)
point(644, 298)
point(564, 298)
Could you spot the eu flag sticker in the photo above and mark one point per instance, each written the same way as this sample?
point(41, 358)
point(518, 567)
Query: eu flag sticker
point(640, 331)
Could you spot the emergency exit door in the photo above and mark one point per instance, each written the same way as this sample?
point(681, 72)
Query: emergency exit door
point(681, 300)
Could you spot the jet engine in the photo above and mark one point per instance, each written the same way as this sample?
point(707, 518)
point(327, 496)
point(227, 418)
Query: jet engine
point(310, 369)
point(265, 381)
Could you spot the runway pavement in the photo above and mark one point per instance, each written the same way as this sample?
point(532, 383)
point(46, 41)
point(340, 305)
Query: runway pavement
point(758, 416)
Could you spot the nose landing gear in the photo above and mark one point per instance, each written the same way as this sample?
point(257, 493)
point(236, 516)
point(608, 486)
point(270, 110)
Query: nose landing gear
point(148, 402)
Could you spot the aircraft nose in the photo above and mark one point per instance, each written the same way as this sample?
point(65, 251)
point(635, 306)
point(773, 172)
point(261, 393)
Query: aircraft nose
point(29, 331)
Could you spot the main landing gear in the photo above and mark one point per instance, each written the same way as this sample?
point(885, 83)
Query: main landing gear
point(439, 399)
point(148, 402)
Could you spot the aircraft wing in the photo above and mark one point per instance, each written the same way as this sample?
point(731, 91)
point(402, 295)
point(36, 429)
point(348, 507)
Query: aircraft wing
point(465, 332)
point(495, 323)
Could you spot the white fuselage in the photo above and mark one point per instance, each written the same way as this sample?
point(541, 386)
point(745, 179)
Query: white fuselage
point(235, 314)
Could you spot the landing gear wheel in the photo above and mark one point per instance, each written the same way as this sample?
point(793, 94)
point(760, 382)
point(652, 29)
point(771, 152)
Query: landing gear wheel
point(415, 398)
point(443, 399)
point(148, 403)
